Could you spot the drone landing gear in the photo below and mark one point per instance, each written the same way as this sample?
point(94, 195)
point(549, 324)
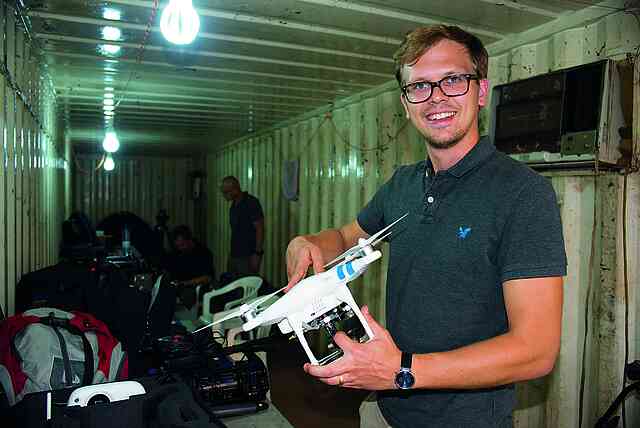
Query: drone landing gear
point(323, 329)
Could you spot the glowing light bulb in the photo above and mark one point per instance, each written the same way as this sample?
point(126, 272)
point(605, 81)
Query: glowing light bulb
point(112, 14)
point(109, 164)
point(110, 144)
point(111, 33)
point(109, 49)
point(180, 22)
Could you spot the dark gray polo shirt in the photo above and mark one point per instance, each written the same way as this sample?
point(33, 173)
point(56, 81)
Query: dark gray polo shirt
point(486, 220)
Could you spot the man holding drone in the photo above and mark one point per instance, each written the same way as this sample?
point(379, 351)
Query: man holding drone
point(474, 285)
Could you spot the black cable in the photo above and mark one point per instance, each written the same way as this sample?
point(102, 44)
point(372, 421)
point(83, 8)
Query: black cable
point(606, 419)
point(143, 44)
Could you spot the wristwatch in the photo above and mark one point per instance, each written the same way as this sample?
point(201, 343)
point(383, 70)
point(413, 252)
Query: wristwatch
point(404, 377)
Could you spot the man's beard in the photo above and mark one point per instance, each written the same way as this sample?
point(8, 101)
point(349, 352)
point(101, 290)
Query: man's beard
point(447, 143)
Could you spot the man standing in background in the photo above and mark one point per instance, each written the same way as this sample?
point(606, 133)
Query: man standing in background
point(247, 229)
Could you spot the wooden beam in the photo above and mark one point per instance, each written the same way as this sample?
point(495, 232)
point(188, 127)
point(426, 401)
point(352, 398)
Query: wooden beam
point(161, 91)
point(211, 36)
point(276, 22)
point(202, 80)
point(211, 54)
point(404, 16)
point(72, 103)
point(213, 100)
point(537, 8)
point(565, 22)
point(635, 132)
point(216, 70)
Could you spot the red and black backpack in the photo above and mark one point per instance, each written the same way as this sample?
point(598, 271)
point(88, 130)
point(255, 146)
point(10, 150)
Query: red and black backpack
point(45, 349)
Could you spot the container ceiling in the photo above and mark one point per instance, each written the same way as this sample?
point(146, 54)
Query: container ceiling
point(255, 63)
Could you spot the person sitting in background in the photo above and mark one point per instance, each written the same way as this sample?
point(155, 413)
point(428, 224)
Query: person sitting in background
point(190, 264)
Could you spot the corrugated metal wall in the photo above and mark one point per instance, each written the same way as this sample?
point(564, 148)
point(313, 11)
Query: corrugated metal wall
point(599, 288)
point(345, 155)
point(595, 262)
point(33, 172)
point(142, 185)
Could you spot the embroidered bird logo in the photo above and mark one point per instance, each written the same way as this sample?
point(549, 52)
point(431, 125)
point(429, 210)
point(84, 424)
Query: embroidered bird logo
point(463, 232)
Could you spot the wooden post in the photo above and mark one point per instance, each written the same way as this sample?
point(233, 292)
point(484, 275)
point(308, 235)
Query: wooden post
point(635, 136)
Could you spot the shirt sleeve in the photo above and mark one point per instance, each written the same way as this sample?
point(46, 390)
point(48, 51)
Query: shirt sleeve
point(532, 243)
point(371, 217)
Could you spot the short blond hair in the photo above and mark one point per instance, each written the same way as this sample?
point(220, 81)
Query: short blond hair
point(424, 38)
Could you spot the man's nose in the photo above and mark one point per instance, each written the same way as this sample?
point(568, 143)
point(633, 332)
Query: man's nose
point(437, 95)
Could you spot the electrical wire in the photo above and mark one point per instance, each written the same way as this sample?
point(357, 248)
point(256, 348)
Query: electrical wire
point(12, 82)
point(372, 149)
point(79, 167)
point(327, 116)
point(141, 48)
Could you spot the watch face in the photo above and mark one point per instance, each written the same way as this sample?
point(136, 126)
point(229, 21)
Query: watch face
point(404, 379)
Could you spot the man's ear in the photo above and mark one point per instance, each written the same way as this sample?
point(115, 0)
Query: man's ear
point(404, 105)
point(483, 92)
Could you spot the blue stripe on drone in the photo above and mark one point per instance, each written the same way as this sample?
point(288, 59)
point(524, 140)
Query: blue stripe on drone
point(341, 274)
point(350, 270)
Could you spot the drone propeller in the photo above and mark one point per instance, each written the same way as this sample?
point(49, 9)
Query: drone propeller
point(372, 241)
point(243, 309)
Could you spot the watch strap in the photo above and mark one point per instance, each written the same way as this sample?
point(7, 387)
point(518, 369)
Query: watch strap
point(405, 360)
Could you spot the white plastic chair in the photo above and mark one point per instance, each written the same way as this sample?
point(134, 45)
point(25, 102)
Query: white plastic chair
point(183, 314)
point(249, 286)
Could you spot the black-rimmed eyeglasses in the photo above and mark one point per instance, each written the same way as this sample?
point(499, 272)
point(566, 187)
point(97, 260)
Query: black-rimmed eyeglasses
point(452, 86)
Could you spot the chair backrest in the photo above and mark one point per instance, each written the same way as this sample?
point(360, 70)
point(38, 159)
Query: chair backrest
point(249, 285)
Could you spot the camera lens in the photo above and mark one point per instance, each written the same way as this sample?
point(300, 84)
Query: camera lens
point(98, 399)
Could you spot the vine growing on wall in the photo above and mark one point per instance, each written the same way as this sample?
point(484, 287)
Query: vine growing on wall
point(360, 144)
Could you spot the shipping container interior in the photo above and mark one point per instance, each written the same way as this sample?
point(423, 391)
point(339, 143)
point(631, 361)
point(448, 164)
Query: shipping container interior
point(298, 100)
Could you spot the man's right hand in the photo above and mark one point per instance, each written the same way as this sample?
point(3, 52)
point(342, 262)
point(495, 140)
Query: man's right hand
point(304, 251)
point(301, 254)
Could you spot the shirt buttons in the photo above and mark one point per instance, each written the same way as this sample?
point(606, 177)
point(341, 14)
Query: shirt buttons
point(430, 199)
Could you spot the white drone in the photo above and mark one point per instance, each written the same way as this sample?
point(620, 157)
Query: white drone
point(321, 300)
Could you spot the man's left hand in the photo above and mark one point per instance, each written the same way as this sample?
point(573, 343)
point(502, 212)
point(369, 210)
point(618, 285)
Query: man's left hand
point(371, 365)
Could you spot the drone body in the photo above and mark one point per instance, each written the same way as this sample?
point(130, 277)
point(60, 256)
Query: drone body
point(321, 301)
point(313, 303)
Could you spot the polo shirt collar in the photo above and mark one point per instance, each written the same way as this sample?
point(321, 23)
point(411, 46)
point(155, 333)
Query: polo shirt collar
point(477, 155)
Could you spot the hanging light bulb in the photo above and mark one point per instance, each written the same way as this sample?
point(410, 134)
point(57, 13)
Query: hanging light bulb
point(109, 164)
point(111, 33)
point(110, 144)
point(180, 22)
point(112, 14)
point(109, 50)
